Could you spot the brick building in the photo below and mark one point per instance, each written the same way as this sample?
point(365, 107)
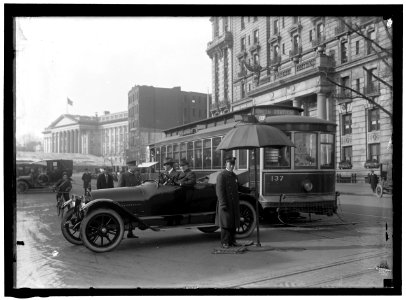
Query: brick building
point(287, 60)
point(151, 109)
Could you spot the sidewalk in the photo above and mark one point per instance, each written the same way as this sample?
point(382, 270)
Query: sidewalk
point(361, 189)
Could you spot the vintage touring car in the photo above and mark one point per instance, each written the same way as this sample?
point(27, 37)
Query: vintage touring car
point(99, 220)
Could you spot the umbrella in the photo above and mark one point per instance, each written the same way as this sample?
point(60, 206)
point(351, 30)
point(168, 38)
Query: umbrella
point(253, 136)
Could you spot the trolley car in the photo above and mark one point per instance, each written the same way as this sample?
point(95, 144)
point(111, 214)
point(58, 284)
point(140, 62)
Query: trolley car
point(300, 179)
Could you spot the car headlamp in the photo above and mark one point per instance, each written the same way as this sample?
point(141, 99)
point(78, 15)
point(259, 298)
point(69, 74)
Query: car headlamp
point(307, 185)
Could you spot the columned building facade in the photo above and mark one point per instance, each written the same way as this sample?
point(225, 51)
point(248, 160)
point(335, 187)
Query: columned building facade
point(293, 61)
point(105, 136)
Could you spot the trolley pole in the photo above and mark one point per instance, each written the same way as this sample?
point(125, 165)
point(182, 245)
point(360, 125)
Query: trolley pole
point(256, 196)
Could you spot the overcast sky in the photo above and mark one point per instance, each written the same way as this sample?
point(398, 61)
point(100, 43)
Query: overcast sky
point(96, 61)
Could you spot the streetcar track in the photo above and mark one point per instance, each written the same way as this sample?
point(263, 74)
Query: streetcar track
point(317, 268)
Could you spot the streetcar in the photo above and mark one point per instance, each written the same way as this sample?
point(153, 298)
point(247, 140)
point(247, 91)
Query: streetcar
point(289, 179)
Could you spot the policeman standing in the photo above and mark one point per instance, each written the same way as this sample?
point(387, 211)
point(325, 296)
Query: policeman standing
point(228, 204)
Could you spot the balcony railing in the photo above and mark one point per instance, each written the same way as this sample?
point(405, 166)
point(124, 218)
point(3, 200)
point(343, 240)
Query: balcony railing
point(342, 94)
point(319, 41)
point(224, 41)
point(371, 89)
point(224, 104)
point(295, 51)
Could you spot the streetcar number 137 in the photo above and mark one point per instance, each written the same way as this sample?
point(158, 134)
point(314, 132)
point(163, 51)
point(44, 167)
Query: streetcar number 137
point(276, 178)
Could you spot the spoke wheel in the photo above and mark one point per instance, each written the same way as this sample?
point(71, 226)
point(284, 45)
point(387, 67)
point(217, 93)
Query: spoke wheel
point(70, 228)
point(379, 190)
point(208, 229)
point(22, 187)
point(248, 219)
point(102, 230)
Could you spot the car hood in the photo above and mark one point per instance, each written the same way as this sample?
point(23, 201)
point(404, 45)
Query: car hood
point(124, 194)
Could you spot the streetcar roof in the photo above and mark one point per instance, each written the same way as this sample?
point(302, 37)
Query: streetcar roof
point(296, 119)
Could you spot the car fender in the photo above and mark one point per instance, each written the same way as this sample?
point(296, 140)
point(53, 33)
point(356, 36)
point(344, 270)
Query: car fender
point(25, 179)
point(108, 203)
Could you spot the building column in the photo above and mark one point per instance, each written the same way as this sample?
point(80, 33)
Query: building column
point(59, 138)
point(72, 142)
point(75, 141)
point(329, 109)
point(321, 105)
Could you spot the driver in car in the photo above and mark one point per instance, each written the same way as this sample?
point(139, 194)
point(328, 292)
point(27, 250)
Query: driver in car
point(187, 178)
point(170, 175)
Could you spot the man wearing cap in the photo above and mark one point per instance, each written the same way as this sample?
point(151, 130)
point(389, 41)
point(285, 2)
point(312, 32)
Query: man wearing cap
point(187, 178)
point(228, 204)
point(170, 175)
point(130, 178)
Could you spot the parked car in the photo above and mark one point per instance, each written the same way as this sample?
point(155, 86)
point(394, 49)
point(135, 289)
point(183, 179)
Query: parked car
point(41, 174)
point(346, 164)
point(99, 221)
point(372, 164)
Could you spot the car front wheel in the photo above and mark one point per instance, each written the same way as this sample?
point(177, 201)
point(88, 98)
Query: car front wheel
point(22, 187)
point(248, 218)
point(102, 230)
point(71, 228)
point(379, 190)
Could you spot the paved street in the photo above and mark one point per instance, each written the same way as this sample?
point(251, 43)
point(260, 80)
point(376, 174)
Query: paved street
point(340, 251)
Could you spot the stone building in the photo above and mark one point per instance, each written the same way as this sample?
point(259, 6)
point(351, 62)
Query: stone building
point(291, 61)
point(151, 109)
point(105, 135)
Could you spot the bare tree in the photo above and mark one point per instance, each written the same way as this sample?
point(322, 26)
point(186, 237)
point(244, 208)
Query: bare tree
point(384, 55)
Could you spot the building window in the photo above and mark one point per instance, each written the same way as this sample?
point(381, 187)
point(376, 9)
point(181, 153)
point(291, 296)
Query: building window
point(242, 90)
point(243, 44)
point(347, 154)
point(310, 35)
point(283, 48)
point(357, 47)
point(255, 18)
point(256, 59)
point(242, 23)
point(320, 31)
point(276, 26)
point(374, 151)
point(283, 22)
point(371, 35)
point(371, 84)
point(295, 20)
point(347, 123)
point(256, 36)
point(357, 85)
point(345, 81)
point(344, 53)
point(275, 52)
point(373, 119)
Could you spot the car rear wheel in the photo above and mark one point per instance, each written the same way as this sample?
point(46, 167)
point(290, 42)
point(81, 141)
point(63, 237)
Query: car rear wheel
point(70, 228)
point(248, 219)
point(102, 230)
point(208, 229)
point(22, 187)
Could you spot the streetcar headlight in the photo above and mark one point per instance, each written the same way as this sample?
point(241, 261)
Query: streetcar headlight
point(307, 185)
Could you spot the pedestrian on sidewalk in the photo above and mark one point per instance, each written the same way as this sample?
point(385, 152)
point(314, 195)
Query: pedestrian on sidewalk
point(87, 181)
point(373, 180)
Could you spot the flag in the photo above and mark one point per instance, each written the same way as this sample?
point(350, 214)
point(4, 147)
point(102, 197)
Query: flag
point(70, 102)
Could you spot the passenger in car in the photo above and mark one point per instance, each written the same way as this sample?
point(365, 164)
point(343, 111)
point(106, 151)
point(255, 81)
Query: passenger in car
point(187, 178)
point(170, 175)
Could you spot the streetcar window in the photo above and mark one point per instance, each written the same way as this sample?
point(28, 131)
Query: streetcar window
point(176, 152)
point(275, 158)
point(183, 150)
point(216, 154)
point(242, 159)
point(190, 154)
point(198, 154)
point(207, 154)
point(306, 150)
point(169, 151)
point(327, 151)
